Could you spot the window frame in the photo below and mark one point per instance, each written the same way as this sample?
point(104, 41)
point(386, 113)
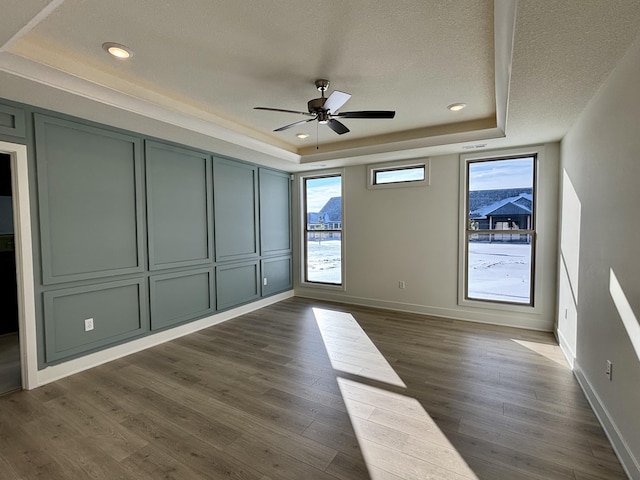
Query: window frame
point(304, 281)
point(372, 169)
point(537, 152)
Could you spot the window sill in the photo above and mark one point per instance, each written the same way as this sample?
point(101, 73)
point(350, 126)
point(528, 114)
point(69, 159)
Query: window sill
point(506, 307)
point(322, 286)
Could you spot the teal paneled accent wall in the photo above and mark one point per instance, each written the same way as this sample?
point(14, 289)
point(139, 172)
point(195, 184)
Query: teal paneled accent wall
point(140, 234)
point(12, 121)
point(118, 311)
point(178, 206)
point(275, 199)
point(179, 297)
point(235, 193)
point(276, 275)
point(91, 202)
point(237, 283)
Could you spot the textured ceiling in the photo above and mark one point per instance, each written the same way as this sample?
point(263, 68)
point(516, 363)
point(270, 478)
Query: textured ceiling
point(204, 64)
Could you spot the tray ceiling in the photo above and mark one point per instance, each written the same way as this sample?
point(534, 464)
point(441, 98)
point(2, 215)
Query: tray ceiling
point(524, 73)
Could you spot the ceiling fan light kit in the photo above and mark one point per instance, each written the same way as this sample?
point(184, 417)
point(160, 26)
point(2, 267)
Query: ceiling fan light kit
point(324, 109)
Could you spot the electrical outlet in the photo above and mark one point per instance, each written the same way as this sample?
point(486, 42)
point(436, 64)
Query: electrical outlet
point(264, 281)
point(88, 324)
point(401, 284)
point(609, 371)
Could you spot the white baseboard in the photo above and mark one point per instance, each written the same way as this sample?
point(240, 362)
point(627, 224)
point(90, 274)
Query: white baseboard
point(569, 354)
point(492, 317)
point(77, 365)
point(625, 455)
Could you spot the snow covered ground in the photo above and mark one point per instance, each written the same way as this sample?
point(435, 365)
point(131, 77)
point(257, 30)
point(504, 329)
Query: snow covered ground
point(497, 271)
point(500, 271)
point(324, 261)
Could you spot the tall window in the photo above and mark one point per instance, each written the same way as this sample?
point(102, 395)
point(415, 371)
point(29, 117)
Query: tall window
point(323, 229)
point(500, 230)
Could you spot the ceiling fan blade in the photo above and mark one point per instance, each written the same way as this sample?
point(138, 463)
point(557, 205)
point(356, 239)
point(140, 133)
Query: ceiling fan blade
point(286, 111)
point(302, 122)
point(368, 114)
point(337, 127)
point(336, 100)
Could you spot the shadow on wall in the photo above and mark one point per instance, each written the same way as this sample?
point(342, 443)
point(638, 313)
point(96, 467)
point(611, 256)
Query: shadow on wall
point(629, 319)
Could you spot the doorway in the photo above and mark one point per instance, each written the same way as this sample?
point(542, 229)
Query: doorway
point(19, 179)
point(10, 368)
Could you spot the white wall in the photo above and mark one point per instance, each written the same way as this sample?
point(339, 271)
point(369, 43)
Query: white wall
point(569, 266)
point(601, 157)
point(411, 234)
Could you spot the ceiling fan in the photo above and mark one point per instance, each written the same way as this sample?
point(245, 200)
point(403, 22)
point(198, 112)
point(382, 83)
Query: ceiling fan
point(324, 110)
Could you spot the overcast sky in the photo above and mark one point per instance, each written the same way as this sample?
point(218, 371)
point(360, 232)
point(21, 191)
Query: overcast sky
point(515, 173)
point(320, 190)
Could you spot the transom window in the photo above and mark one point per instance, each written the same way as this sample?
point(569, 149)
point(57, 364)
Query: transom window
point(398, 174)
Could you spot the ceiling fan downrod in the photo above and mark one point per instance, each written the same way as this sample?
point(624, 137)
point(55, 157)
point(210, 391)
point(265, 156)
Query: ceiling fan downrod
point(322, 85)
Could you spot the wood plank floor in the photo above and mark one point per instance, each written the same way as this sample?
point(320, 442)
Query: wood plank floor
point(9, 363)
point(311, 390)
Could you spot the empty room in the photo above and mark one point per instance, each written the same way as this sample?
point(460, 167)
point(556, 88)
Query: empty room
point(340, 240)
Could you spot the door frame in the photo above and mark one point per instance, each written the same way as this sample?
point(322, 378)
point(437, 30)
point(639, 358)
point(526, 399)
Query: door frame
point(24, 263)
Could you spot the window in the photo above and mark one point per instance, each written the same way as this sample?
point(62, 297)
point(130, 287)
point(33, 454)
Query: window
point(323, 229)
point(499, 233)
point(398, 174)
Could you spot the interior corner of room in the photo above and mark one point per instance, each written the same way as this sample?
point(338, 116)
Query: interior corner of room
point(140, 204)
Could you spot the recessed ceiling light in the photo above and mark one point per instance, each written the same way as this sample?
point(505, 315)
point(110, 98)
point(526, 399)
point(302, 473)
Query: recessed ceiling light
point(117, 50)
point(456, 107)
point(302, 136)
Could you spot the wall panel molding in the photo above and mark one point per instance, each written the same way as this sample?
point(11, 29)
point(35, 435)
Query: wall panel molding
point(275, 212)
point(179, 206)
point(237, 283)
point(12, 121)
point(277, 274)
point(90, 201)
point(118, 311)
point(236, 206)
point(181, 296)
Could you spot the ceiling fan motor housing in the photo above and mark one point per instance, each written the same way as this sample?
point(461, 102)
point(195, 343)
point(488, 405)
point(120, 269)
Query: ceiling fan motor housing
point(316, 105)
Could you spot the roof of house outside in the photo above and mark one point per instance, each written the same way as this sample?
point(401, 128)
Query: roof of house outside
point(520, 204)
point(333, 208)
point(481, 198)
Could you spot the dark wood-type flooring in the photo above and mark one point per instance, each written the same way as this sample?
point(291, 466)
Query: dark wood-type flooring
point(9, 363)
point(258, 398)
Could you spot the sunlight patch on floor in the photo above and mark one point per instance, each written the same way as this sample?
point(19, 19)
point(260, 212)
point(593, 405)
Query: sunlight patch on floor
point(351, 350)
point(547, 350)
point(398, 438)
